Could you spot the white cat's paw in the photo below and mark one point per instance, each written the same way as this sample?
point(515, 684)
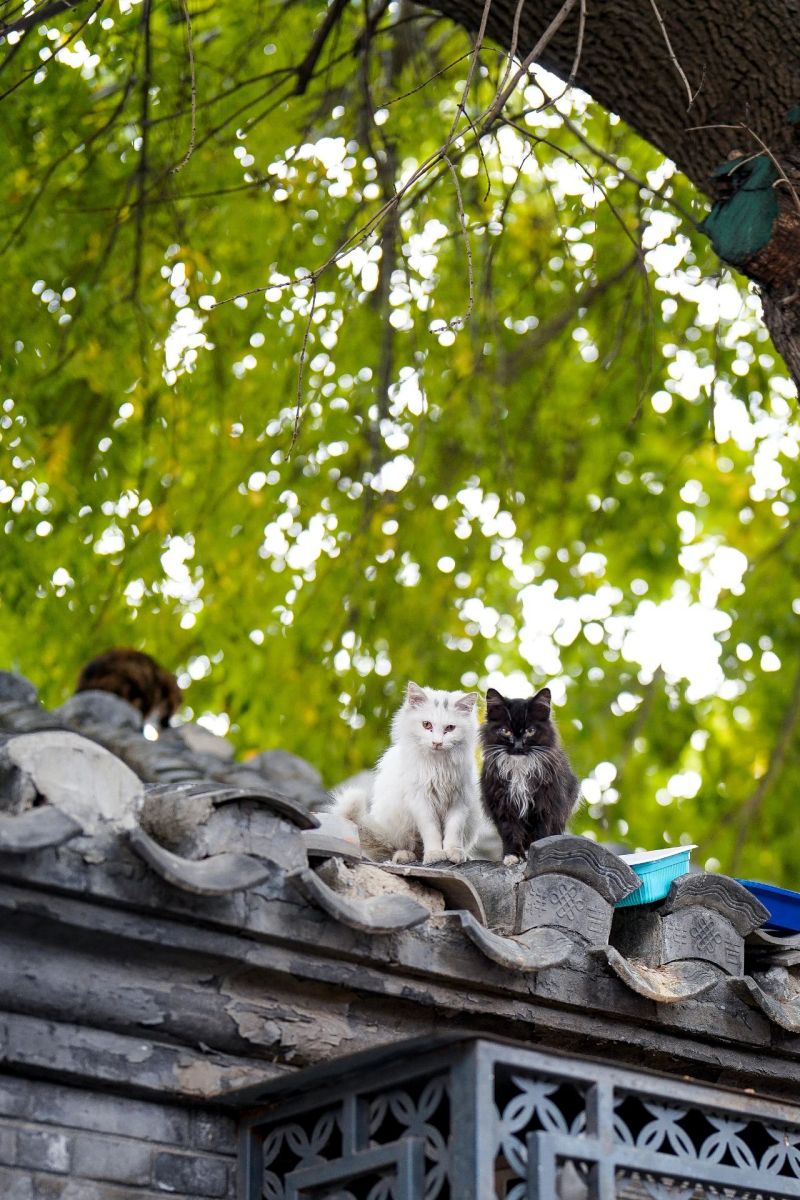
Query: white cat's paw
point(511, 860)
point(433, 856)
point(455, 854)
point(403, 856)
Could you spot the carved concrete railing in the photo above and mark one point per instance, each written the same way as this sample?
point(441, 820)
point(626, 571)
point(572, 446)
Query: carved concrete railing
point(482, 1120)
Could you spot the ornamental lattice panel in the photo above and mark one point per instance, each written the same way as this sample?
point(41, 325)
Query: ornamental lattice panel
point(479, 1120)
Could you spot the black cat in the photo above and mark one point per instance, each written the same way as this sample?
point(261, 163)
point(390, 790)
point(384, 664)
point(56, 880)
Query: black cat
point(527, 784)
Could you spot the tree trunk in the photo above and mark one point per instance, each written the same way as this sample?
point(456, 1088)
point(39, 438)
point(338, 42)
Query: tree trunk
point(704, 82)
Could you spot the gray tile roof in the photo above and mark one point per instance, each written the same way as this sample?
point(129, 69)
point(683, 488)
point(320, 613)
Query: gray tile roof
point(91, 808)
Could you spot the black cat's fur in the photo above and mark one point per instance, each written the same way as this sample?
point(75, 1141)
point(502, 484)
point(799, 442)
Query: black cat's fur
point(527, 784)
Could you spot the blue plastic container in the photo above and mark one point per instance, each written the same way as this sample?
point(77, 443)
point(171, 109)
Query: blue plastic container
point(656, 869)
point(783, 905)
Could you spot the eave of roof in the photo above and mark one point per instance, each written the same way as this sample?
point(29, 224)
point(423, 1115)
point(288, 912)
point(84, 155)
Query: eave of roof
point(133, 953)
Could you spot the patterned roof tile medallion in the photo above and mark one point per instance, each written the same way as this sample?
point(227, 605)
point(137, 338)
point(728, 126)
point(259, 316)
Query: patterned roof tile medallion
point(721, 894)
point(681, 948)
point(572, 884)
point(559, 904)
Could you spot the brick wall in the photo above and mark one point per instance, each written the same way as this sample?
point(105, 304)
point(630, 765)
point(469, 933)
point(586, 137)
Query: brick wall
point(64, 1143)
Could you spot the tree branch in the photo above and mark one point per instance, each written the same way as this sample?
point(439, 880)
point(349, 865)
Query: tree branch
point(61, 45)
point(305, 70)
point(707, 40)
point(23, 24)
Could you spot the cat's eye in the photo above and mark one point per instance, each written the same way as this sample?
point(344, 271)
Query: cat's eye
point(427, 725)
point(505, 732)
point(530, 731)
point(449, 728)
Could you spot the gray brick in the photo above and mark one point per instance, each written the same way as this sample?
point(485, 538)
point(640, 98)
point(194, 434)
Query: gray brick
point(15, 1097)
point(57, 1187)
point(78, 1109)
point(8, 1146)
point(214, 1131)
point(191, 1175)
point(111, 1158)
point(16, 1185)
point(43, 1151)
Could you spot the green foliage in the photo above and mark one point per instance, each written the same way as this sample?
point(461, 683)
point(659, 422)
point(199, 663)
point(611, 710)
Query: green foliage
point(524, 449)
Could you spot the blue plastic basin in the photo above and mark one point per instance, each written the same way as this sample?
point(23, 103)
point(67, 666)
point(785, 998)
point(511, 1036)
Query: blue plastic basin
point(656, 869)
point(783, 906)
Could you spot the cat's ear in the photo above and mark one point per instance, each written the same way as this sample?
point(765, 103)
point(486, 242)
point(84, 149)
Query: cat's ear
point(467, 702)
point(495, 706)
point(415, 695)
point(539, 706)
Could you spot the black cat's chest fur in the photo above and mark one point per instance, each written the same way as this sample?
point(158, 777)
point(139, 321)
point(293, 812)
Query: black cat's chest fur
point(527, 784)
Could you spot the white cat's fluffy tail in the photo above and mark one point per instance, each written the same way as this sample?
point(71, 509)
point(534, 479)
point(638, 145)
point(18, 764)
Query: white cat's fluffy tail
point(351, 802)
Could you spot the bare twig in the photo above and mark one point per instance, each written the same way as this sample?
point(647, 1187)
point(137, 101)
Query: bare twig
point(260, 182)
point(609, 159)
point(512, 49)
point(301, 370)
point(783, 177)
point(430, 79)
point(576, 62)
point(443, 157)
point(552, 101)
point(458, 322)
point(504, 94)
point(593, 179)
point(193, 84)
point(476, 50)
point(673, 56)
point(281, 74)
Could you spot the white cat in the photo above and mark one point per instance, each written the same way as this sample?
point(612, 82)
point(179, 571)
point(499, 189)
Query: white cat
point(425, 794)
